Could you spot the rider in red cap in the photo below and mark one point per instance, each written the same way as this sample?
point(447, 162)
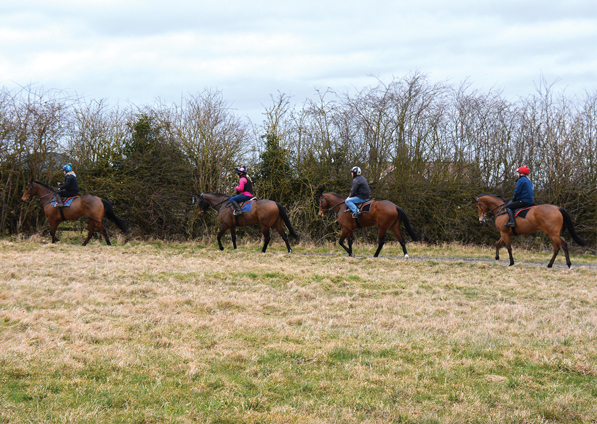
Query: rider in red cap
point(523, 194)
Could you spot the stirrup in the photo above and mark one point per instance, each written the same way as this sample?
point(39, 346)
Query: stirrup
point(236, 213)
point(356, 215)
point(510, 224)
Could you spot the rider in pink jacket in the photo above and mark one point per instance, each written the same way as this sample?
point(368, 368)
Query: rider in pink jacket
point(244, 190)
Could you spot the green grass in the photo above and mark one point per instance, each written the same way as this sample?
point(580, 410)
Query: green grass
point(172, 332)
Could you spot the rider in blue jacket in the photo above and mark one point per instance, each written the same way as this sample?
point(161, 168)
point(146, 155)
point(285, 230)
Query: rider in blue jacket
point(523, 194)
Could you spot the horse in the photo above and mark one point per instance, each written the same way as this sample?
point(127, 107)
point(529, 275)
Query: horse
point(91, 206)
point(385, 214)
point(266, 213)
point(549, 218)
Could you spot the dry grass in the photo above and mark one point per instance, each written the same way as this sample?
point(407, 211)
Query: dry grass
point(177, 332)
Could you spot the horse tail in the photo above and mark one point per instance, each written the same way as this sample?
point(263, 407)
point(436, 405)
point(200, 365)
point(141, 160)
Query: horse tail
point(570, 226)
point(284, 217)
point(406, 222)
point(120, 223)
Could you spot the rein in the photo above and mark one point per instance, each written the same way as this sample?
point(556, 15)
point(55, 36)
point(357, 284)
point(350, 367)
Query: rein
point(327, 209)
point(217, 204)
point(491, 211)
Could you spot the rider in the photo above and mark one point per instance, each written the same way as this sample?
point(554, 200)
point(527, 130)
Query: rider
point(359, 191)
point(69, 188)
point(523, 194)
point(244, 190)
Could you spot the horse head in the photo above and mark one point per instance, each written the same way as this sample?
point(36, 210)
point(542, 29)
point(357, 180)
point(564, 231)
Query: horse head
point(488, 204)
point(203, 205)
point(29, 192)
point(329, 201)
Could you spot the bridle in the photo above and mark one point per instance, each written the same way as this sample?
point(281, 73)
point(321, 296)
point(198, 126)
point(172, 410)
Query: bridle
point(226, 199)
point(30, 187)
point(488, 211)
point(328, 208)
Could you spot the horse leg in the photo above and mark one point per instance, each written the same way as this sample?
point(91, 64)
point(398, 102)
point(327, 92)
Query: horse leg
point(497, 249)
point(103, 231)
point(508, 243)
point(266, 237)
point(380, 242)
point(398, 234)
point(565, 247)
point(280, 231)
point(219, 236)
point(557, 242)
point(90, 230)
point(346, 234)
point(53, 226)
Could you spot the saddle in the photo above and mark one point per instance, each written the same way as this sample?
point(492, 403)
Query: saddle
point(65, 202)
point(365, 206)
point(246, 205)
point(522, 212)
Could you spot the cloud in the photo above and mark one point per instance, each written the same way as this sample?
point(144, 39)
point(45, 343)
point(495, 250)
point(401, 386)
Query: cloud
point(141, 50)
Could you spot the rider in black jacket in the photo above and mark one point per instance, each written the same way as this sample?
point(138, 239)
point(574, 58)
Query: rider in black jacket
point(69, 188)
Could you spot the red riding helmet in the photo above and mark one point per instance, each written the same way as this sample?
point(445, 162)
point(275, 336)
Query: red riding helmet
point(524, 170)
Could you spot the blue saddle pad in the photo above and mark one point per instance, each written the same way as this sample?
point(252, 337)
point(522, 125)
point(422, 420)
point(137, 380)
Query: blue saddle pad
point(67, 202)
point(245, 207)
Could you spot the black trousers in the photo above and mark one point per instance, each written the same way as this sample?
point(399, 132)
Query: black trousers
point(518, 204)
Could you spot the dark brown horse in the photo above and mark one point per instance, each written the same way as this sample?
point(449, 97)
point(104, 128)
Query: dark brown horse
point(549, 218)
point(385, 214)
point(266, 213)
point(91, 206)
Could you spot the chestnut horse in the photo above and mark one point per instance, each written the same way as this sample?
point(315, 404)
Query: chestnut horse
point(91, 206)
point(266, 213)
point(549, 218)
point(385, 214)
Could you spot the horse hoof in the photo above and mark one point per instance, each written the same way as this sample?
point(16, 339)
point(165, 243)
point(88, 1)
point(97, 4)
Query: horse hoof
point(405, 256)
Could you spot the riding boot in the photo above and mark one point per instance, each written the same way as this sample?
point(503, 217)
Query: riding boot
point(510, 222)
point(356, 214)
point(58, 200)
point(237, 210)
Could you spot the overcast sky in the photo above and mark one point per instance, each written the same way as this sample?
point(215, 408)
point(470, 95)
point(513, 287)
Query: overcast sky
point(138, 51)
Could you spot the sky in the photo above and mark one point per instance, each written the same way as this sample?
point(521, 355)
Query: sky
point(139, 52)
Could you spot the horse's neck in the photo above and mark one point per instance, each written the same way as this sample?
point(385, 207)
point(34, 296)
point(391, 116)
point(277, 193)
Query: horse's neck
point(42, 190)
point(218, 200)
point(336, 201)
point(495, 202)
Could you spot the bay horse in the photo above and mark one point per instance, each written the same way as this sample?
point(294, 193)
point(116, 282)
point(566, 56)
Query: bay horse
point(266, 213)
point(385, 214)
point(91, 206)
point(549, 218)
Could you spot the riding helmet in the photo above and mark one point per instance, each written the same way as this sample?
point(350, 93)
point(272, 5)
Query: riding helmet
point(524, 170)
point(242, 170)
point(68, 167)
point(355, 170)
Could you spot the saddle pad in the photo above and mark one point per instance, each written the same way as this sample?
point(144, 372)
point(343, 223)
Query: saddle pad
point(366, 206)
point(67, 202)
point(245, 207)
point(522, 213)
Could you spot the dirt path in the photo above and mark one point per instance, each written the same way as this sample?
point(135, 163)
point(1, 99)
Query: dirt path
point(559, 264)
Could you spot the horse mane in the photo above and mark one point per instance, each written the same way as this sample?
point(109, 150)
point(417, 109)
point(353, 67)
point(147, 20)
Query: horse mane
point(335, 194)
point(492, 195)
point(44, 184)
point(218, 194)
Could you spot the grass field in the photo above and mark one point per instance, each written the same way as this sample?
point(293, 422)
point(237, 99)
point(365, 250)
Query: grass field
point(180, 332)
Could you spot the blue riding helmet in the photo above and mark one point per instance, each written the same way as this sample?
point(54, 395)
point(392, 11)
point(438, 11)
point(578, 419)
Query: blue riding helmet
point(68, 167)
